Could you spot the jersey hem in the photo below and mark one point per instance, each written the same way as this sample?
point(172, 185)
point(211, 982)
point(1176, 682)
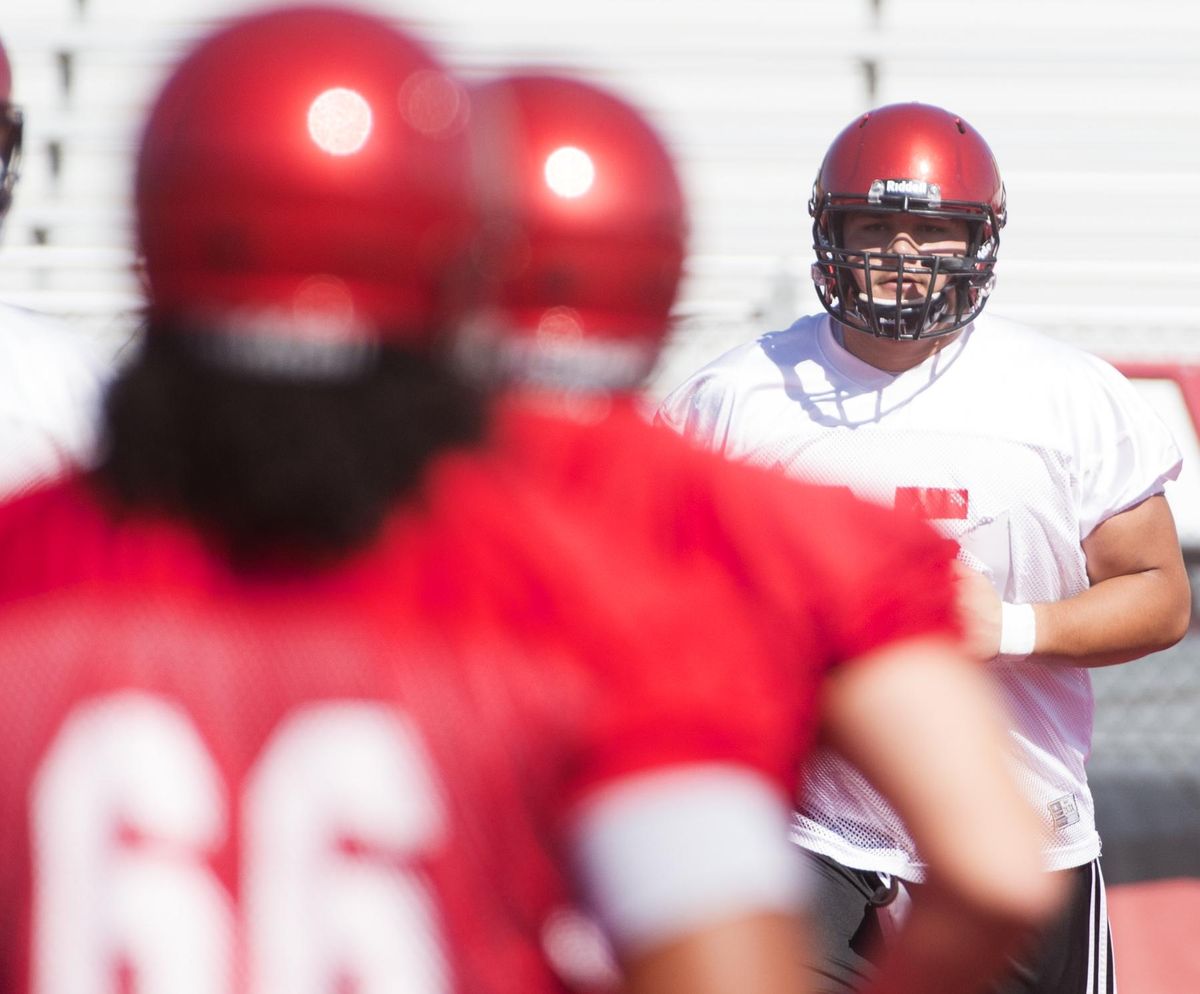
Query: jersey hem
point(900, 865)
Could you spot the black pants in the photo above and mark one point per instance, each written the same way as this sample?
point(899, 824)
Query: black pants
point(1073, 955)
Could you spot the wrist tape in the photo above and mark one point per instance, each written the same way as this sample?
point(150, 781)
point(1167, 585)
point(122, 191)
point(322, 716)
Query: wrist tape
point(1018, 629)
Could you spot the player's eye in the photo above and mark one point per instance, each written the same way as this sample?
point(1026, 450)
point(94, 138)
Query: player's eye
point(867, 227)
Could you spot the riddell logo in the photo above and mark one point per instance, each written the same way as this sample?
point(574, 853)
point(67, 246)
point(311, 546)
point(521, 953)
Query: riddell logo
point(906, 187)
point(917, 188)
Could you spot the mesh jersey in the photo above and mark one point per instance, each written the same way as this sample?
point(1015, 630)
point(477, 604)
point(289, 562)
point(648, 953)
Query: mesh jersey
point(1017, 446)
point(822, 578)
point(216, 781)
point(52, 380)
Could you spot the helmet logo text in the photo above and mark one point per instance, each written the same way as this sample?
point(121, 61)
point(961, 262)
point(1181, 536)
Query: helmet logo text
point(919, 189)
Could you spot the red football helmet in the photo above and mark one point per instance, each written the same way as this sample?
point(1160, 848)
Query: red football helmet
point(304, 181)
point(583, 239)
point(914, 159)
point(10, 136)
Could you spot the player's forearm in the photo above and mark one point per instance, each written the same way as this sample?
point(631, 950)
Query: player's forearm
point(1116, 620)
point(947, 947)
point(758, 954)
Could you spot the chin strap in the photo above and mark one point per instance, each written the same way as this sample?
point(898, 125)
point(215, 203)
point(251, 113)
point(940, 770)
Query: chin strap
point(887, 314)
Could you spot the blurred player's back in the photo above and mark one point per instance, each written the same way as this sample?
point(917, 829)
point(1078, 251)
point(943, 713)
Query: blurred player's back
point(829, 578)
point(345, 777)
point(292, 815)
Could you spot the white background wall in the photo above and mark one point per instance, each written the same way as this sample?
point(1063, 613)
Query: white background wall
point(1091, 106)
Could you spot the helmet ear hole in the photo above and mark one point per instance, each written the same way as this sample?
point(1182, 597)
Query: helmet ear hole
point(824, 277)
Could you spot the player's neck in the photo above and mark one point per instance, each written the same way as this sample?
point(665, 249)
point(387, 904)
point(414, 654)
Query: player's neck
point(887, 354)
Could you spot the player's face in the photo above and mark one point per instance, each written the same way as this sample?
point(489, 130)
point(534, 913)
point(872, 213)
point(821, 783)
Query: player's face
point(901, 234)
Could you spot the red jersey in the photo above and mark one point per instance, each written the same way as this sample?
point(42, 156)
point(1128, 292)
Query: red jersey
point(354, 778)
point(826, 577)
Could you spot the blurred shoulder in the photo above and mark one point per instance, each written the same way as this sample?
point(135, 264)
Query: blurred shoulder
point(1054, 376)
point(66, 497)
point(43, 533)
point(32, 342)
point(706, 406)
point(1037, 352)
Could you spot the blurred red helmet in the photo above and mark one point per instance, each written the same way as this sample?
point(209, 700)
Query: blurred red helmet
point(10, 135)
point(918, 159)
point(584, 235)
point(304, 177)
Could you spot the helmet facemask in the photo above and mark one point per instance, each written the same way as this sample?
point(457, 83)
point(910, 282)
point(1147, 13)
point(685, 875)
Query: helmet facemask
point(967, 278)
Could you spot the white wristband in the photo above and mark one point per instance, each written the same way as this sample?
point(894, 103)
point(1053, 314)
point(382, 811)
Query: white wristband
point(1018, 629)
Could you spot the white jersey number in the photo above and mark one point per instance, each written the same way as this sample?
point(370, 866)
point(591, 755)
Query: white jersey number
point(129, 810)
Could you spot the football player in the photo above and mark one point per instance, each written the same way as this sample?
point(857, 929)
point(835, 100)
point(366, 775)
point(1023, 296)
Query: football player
point(1040, 461)
point(303, 690)
point(52, 378)
point(585, 228)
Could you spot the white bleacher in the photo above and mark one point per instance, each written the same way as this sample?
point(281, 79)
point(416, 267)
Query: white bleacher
point(1091, 109)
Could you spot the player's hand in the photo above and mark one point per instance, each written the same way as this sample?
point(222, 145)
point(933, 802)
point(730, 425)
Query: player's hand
point(979, 613)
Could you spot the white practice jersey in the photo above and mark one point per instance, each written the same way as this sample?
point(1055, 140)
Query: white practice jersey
point(1017, 446)
point(51, 380)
